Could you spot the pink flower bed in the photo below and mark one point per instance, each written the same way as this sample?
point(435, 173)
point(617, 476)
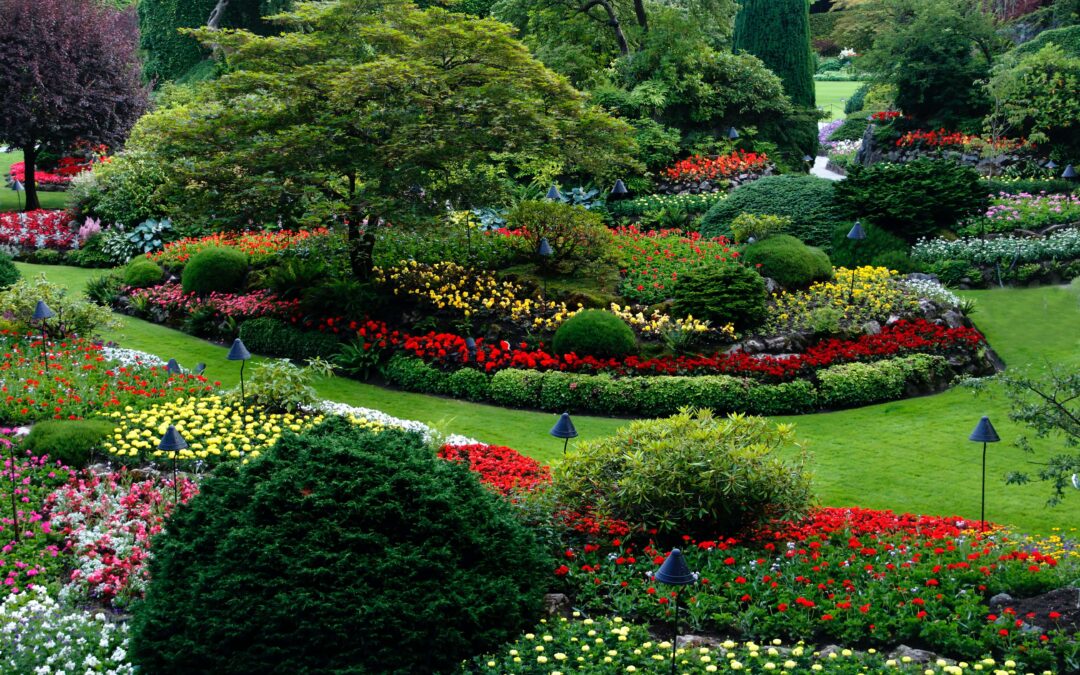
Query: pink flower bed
point(172, 299)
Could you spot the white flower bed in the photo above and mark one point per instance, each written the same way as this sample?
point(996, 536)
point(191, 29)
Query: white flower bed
point(933, 291)
point(1061, 245)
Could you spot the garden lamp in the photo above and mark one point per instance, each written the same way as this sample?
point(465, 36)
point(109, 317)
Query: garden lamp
point(553, 194)
point(240, 353)
point(545, 252)
point(1050, 164)
point(470, 344)
point(856, 234)
point(199, 368)
point(565, 430)
point(41, 313)
point(808, 159)
point(18, 187)
point(172, 367)
point(984, 433)
point(732, 134)
point(1070, 173)
point(674, 572)
point(619, 191)
point(173, 442)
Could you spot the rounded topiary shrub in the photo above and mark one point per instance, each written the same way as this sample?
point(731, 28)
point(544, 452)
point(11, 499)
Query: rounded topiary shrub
point(141, 273)
point(788, 261)
point(595, 332)
point(807, 200)
point(9, 274)
point(721, 294)
point(72, 442)
point(690, 473)
point(217, 269)
point(340, 550)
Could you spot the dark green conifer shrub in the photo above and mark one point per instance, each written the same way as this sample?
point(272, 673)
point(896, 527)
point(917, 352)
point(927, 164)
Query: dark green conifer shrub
point(722, 294)
point(807, 200)
point(9, 274)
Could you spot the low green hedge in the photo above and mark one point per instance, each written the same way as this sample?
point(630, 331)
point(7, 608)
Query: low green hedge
point(840, 386)
point(271, 337)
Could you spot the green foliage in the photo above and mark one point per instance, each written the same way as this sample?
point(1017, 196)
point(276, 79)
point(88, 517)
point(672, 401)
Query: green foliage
point(9, 274)
point(279, 386)
point(124, 191)
point(407, 530)
point(293, 277)
point(142, 272)
point(778, 33)
point(272, 337)
point(346, 298)
point(72, 442)
point(634, 209)
point(104, 289)
point(857, 101)
point(469, 384)
point(1067, 37)
point(851, 385)
point(690, 473)
point(1033, 186)
point(748, 226)
point(853, 128)
point(79, 317)
point(355, 360)
point(851, 253)
point(807, 200)
point(412, 374)
point(91, 253)
point(955, 272)
point(721, 294)
point(460, 239)
point(914, 199)
point(576, 236)
point(658, 145)
point(822, 25)
point(595, 332)
point(218, 269)
point(788, 261)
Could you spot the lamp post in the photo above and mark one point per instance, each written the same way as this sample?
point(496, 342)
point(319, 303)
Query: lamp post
point(470, 344)
point(619, 191)
point(984, 433)
point(240, 353)
point(565, 430)
point(41, 313)
point(545, 252)
point(172, 442)
point(856, 234)
point(674, 572)
point(172, 367)
point(553, 194)
point(19, 188)
point(1050, 164)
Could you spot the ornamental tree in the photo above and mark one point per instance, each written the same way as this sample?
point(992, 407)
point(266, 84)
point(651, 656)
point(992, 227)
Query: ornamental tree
point(1049, 405)
point(371, 110)
point(69, 71)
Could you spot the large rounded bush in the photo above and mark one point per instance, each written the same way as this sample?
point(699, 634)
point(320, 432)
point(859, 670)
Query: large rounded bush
point(788, 261)
point(216, 268)
point(722, 294)
point(690, 473)
point(141, 273)
point(340, 550)
point(9, 274)
point(595, 332)
point(807, 200)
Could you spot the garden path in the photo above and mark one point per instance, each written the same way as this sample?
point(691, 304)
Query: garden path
point(821, 171)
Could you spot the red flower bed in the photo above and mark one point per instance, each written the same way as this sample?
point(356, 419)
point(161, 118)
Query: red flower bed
point(653, 259)
point(502, 468)
point(66, 169)
point(699, 168)
point(885, 115)
point(37, 229)
point(172, 299)
point(255, 244)
point(942, 138)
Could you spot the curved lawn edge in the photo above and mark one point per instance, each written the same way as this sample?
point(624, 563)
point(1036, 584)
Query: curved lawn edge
point(909, 455)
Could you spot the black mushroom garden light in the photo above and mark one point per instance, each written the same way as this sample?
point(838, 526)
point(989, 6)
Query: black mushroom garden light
point(674, 572)
point(856, 234)
point(984, 433)
point(240, 353)
point(565, 430)
point(42, 313)
point(172, 442)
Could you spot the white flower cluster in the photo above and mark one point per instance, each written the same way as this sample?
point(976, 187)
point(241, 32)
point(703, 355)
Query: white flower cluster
point(429, 434)
point(1061, 245)
point(131, 357)
point(845, 147)
point(39, 636)
point(848, 53)
point(933, 291)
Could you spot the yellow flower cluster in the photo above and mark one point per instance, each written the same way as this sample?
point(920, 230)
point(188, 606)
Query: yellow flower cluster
point(874, 295)
point(213, 428)
point(659, 323)
point(1059, 547)
point(449, 286)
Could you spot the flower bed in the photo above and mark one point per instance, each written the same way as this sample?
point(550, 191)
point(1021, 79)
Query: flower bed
point(851, 299)
point(502, 468)
point(259, 245)
point(692, 204)
point(1062, 245)
point(32, 558)
point(39, 229)
point(944, 139)
point(698, 168)
point(652, 260)
point(1026, 211)
point(174, 305)
point(58, 179)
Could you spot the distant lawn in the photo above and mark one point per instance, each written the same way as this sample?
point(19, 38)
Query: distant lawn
point(910, 455)
point(831, 97)
point(9, 199)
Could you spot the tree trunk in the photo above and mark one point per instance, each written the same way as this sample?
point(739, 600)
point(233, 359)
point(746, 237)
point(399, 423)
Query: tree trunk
point(30, 182)
point(362, 245)
point(217, 14)
point(642, 17)
point(613, 21)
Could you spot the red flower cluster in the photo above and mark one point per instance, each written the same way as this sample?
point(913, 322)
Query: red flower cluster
point(255, 244)
point(885, 115)
point(654, 259)
point(942, 138)
point(67, 168)
point(37, 229)
point(502, 468)
point(172, 299)
point(699, 168)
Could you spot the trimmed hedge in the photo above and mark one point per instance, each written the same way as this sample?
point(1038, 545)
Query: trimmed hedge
point(808, 200)
point(72, 442)
point(1068, 38)
point(142, 272)
point(840, 386)
point(215, 269)
point(271, 337)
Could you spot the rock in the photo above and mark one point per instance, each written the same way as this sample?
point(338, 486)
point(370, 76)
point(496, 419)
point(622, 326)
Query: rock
point(953, 319)
point(753, 346)
point(926, 307)
point(892, 320)
point(871, 327)
point(695, 641)
point(771, 286)
point(776, 344)
point(919, 276)
point(829, 649)
point(1001, 599)
point(557, 604)
point(915, 655)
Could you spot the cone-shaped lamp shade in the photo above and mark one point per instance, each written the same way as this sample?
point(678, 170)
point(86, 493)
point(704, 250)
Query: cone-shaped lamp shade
point(984, 432)
point(172, 366)
point(470, 344)
point(732, 133)
point(857, 231)
point(619, 191)
point(554, 195)
point(199, 368)
point(1069, 173)
point(674, 571)
point(172, 441)
point(17, 186)
point(238, 352)
point(1051, 165)
point(807, 158)
point(564, 428)
point(545, 248)
point(42, 311)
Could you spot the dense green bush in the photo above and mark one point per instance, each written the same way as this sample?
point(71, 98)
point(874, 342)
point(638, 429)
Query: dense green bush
point(105, 289)
point(346, 298)
point(722, 294)
point(595, 332)
point(853, 127)
point(272, 337)
point(339, 550)
point(215, 269)
point(72, 442)
point(125, 191)
point(1068, 38)
point(853, 253)
point(690, 473)
point(576, 235)
point(856, 384)
point(90, 253)
point(788, 261)
point(516, 388)
point(79, 317)
point(413, 374)
point(807, 200)
point(914, 199)
point(955, 272)
point(141, 272)
point(9, 274)
point(857, 101)
point(469, 384)
point(759, 227)
point(1031, 186)
point(295, 276)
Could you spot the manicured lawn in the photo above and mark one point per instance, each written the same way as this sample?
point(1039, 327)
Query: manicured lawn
point(832, 95)
point(9, 200)
point(908, 455)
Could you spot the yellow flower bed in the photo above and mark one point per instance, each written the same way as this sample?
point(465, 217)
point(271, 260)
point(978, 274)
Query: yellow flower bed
point(875, 295)
point(213, 428)
point(659, 323)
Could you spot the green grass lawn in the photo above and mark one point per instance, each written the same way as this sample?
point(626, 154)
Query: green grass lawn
point(9, 199)
point(831, 97)
point(910, 455)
